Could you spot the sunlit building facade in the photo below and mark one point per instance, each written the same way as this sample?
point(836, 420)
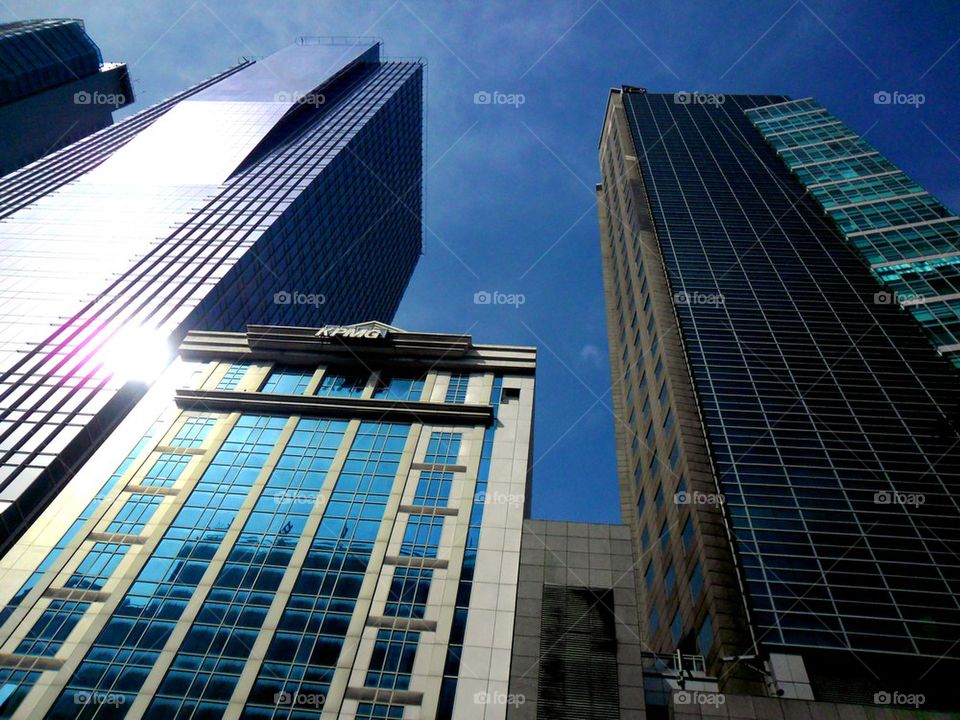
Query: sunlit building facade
point(55, 88)
point(292, 523)
point(282, 191)
point(787, 439)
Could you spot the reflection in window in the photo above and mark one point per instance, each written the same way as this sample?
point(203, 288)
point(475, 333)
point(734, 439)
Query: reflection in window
point(379, 711)
point(193, 432)
point(233, 376)
point(287, 380)
point(338, 383)
point(135, 513)
point(392, 661)
point(52, 628)
point(391, 387)
point(166, 470)
point(422, 536)
point(696, 582)
point(705, 636)
point(443, 448)
point(408, 592)
point(95, 569)
point(433, 489)
point(457, 389)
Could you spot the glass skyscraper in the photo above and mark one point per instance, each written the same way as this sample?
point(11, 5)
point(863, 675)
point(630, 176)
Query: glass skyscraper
point(291, 522)
point(910, 240)
point(54, 88)
point(787, 438)
point(282, 191)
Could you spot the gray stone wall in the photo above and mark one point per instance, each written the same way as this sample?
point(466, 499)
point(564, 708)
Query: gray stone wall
point(575, 555)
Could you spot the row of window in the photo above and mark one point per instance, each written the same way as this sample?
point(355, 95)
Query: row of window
point(728, 212)
point(886, 200)
point(335, 382)
point(229, 621)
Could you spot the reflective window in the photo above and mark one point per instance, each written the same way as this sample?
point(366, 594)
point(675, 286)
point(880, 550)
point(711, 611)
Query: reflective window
point(231, 379)
point(457, 389)
point(696, 582)
point(395, 387)
point(134, 514)
point(392, 660)
point(51, 629)
point(288, 380)
point(408, 592)
point(705, 635)
point(166, 470)
point(433, 489)
point(421, 537)
point(97, 565)
point(443, 448)
point(336, 383)
point(193, 432)
point(687, 534)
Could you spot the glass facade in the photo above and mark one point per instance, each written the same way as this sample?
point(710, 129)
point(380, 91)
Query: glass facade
point(37, 54)
point(822, 434)
point(55, 89)
point(910, 240)
point(271, 564)
point(232, 203)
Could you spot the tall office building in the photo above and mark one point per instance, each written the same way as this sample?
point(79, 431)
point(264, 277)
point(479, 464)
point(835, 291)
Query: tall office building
point(787, 438)
point(285, 191)
point(54, 88)
point(910, 240)
point(292, 523)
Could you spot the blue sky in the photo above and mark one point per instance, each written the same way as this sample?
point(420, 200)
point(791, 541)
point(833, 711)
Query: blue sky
point(509, 188)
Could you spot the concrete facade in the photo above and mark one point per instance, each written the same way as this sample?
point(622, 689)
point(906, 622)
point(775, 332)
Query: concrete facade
point(596, 557)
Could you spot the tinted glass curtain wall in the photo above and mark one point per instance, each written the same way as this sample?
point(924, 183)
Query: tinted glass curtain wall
point(55, 89)
point(910, 239)
point(821, 417)
point(284, 191)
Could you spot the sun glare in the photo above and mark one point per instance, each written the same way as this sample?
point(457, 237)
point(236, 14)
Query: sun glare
point(137, 354)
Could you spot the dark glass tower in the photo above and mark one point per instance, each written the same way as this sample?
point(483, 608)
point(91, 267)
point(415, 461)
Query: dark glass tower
point(284, 191)
point(787, 443)
point(54, 89)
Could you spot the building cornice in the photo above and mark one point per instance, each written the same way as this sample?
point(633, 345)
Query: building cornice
point(363, 408)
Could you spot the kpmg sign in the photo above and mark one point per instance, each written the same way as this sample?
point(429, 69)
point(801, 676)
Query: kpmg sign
point(352, 332)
